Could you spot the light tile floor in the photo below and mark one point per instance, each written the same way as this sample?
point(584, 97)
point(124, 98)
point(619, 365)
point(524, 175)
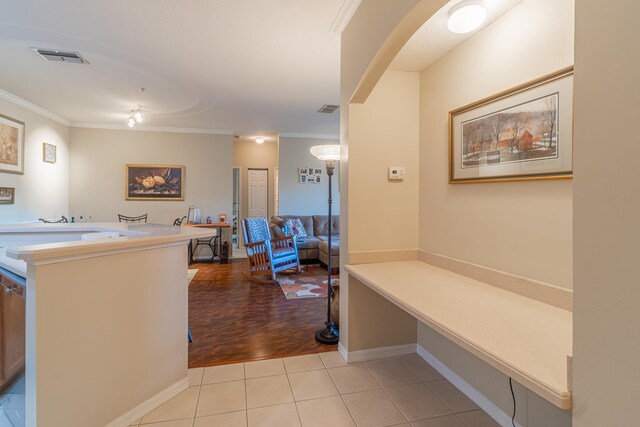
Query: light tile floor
point(12, 404)
point(319, 390)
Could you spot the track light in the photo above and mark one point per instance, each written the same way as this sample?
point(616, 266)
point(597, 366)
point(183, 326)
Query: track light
point(135, 117)
point(131, 122)
point(138, 116)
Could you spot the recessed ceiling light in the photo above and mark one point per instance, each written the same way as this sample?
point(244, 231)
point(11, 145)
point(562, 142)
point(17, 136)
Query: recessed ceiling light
point(466, 16)
point(259, 140)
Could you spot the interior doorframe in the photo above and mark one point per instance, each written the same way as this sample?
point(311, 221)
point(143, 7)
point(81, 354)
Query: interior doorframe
point(239, 207)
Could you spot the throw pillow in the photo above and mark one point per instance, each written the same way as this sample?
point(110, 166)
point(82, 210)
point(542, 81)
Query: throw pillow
point(297, 228)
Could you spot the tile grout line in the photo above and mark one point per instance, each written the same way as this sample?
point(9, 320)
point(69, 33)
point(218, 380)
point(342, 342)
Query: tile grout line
point(387, 394)
point(246, 398)
point(340, 394)
point(295, 402)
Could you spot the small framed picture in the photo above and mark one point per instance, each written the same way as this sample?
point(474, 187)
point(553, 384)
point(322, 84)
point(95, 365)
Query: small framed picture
point(222, 218)
point(7, 195)
point(303, 179)
point(318, 171)
point(303, 171)
point(49, 153)
point(311, 171)
point(317, 179)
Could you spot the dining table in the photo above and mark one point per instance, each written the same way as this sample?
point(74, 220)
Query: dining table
point(218, 226)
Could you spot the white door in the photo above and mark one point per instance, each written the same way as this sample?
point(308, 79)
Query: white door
point(258, 181)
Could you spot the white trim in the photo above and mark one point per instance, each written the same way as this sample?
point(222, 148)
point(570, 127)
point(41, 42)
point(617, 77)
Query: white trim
point(478, 398)
point(150, 404)
point(309, 135)
point(376, 353)
point(33, 107)
point(152, 128)
point(342, 19)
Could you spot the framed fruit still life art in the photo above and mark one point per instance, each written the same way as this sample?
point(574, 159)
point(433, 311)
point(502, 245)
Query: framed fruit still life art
point(155, 182)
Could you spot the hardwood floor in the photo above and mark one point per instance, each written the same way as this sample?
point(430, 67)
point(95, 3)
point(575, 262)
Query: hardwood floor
point(234, 319)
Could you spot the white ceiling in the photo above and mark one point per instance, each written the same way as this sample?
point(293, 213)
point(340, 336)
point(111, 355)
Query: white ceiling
point(433, 40)
point(241, 66)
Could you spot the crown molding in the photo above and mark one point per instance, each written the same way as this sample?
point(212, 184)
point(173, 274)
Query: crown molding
point(33, 107)
point(308, 135)
point(152, 128)
point(342, 19)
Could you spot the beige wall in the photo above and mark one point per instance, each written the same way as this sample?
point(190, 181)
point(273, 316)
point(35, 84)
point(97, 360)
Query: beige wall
point(107, 337)
point(97, 173)
point(607, 213)
point(383, 214)
point(43, 190)
point(304, 199)
point(249, 155)
point(522, 228)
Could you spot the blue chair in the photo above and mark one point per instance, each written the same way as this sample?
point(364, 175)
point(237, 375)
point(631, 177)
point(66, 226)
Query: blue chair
point(267, 256)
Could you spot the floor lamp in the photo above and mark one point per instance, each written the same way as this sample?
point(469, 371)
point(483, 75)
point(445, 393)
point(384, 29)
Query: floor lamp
point(330, 154)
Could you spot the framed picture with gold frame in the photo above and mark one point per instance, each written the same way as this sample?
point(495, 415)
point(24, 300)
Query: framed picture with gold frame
point(523, 133)
point(11, 145)
point(154, 182)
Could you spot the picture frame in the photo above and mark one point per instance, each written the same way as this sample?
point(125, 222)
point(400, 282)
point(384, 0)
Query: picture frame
point(222, 218)
point(49, 153)
point(303, 179)
point(523, 133)
point(7, 195)
point(11, 145)
point(154, 182)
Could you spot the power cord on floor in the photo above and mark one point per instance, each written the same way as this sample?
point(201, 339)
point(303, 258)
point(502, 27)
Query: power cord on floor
point(513, 396)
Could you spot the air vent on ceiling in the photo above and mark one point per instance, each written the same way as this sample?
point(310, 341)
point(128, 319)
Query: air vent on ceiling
point(328, 109)
point(61, 56)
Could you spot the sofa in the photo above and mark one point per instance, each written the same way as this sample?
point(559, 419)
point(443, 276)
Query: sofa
point(314, 247)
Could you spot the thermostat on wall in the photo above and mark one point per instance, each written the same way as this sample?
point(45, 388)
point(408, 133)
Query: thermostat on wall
point(396, 173)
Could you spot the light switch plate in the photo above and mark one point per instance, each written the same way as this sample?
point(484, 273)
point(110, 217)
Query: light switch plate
point(396, 173)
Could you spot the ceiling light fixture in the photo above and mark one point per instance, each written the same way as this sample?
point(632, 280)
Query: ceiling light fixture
point(135, 117)
point(259, 140)
point(466, 16)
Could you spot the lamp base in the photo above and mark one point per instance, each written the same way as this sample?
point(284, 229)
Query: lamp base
point(328, 335)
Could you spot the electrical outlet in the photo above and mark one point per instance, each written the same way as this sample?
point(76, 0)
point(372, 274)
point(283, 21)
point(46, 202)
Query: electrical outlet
point(396, 173)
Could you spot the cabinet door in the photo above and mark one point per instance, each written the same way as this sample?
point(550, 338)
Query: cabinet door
point(13, 328)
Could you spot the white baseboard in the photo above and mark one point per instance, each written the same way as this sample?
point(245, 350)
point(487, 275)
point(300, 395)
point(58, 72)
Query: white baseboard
point(150, 404)
point(376, 353)
point(478, 398)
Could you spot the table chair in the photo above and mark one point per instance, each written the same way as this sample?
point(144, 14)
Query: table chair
point(62, 220)
point(124, 218)
point(268, 256)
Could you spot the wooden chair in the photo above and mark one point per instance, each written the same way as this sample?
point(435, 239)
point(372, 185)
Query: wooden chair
point(268, 256)
point(62, 220)
point(124, 218)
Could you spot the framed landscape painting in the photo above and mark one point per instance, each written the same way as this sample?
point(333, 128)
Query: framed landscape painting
point(155, 182)
point(523, 133)
point(11, 145)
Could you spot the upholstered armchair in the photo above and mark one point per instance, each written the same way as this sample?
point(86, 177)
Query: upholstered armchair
point(268, 256)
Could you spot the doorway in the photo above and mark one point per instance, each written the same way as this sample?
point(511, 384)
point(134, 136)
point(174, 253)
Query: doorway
point(258, 188)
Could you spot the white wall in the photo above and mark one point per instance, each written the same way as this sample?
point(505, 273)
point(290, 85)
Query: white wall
point(495, 59)
point(304, 199)
point(97, 173)
point(533, 39)
point(383, 214)
point(249, 155)
point(607, 214)
point(43, 190)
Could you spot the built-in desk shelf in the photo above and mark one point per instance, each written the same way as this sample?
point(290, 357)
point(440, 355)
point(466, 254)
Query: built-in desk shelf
point(521, 337)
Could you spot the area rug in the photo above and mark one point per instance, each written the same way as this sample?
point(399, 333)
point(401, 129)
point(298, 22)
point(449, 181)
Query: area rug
point(312, 283)
point(191, 273)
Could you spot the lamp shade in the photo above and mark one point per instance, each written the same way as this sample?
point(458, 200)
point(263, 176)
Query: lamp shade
point(326, 152)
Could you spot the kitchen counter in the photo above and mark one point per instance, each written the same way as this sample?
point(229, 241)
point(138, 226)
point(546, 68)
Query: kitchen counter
point(106, 319)
point(39, 242)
